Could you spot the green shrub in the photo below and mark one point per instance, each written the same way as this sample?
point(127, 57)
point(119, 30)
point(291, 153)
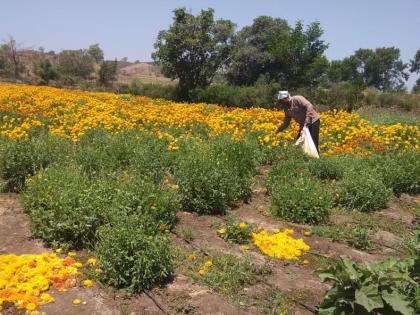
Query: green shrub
point(243, 155)
point(401, 172)
point(211, 177)
point(364, 191)
point(300, 199)
point(103, 152)
point(289, 163)
point(326, 168)
point(67, 208)
point(388, 287)
point(153, 90)
point(131, 259)
point(261, 95)
point(22, 158)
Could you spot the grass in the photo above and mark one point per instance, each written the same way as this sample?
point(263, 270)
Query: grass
point(388, 117)
point(356, 228)
point(224, 273)
point(188, 233)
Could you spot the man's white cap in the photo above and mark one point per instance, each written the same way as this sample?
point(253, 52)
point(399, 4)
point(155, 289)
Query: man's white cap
point(282, 95)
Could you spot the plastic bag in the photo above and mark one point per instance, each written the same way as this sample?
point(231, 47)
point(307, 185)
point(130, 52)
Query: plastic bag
point(307, 144)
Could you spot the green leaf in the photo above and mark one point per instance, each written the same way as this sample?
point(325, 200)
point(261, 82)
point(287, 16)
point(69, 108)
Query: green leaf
point(349, 267)
point(369, 298)
point(398, 302)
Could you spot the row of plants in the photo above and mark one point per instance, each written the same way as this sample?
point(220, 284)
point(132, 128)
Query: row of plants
point(118, 194)
point(304, 190)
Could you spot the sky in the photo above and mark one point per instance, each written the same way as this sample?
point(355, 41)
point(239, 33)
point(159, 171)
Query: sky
point(128, 28)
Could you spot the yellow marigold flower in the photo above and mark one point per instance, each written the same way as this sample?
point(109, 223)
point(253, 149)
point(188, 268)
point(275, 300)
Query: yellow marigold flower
point(222, 231)
point(77, 301)
point(46, 298)
point(98, 270)
point(30, 306)
point(201, 272)
point(192, 257)
point(306, 262)
point(71, 254)
point(91, 261)
point(88, 283)
point(289, 231)
point(208, 263)
point(242, 225)
point(78, 265)
point(58, 250)
point(244, 247)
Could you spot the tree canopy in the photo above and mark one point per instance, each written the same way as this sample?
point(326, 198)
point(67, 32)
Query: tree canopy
point(193, 48)
point(381, 68)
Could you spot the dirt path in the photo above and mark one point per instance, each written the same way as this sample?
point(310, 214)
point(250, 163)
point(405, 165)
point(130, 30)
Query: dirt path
point(181, 296)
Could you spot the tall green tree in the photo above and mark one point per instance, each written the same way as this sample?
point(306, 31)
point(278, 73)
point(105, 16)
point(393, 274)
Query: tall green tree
point(251, 57)
point(293, 56)
point(415, 68)
point(45, 70)
point(107, 72)
point(300, 56)
point(96, 53)
point(381, 68)
point(75, 63)
point(194, 48)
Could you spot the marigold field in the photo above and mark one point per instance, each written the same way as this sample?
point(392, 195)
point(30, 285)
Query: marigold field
point(73, 113)
point(206, 198)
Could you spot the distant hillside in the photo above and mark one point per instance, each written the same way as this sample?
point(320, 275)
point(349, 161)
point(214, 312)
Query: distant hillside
point(145, 71)
point(127, 71)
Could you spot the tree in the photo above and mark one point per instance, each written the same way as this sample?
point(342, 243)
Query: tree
point(108, 72)
point(415, 68)
point(415, 63)
point(45, 70)
point(11, 51)
point(77, 63)
point(300, 56)
point(271, 48)
point(251, 57)
point(381, 68)
point(5, 67)
point(193, 48)
point(96, 53)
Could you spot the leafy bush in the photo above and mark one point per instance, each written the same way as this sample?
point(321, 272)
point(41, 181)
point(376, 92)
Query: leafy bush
point(67, 208)
point(153, 90)
point(22, 158)
point(211, 177)
point(239, 233)
point(364, 191)
point(388, 287)
point(103, 152)
point(261, 95)
point(290, 162)
point(131, 259)
point(326, 168)
point(400, 172)
point(300, 199)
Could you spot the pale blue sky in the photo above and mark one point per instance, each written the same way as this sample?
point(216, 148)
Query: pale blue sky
point(128, 28)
